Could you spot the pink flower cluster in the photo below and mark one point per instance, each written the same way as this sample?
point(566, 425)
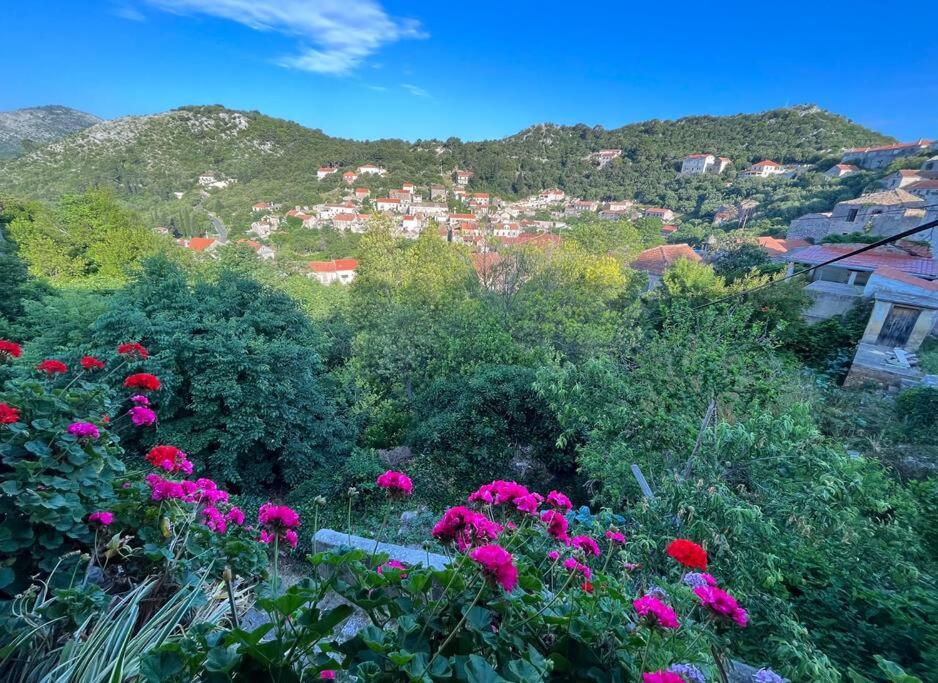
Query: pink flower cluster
point(499, 493)
point(142, 416)
point(84, 430)
point(102, 518)
point(396, 483)
point(662, 677)
point(571, 564)
point(722, 603)
point(392, 564)
point(498, 564)
point(560, 501)
point(616, 537)
point(588, 545)
point(199, 491)
point(557, 525)
point(279, 522)
point(655, 612)
point(218, 522)
point(465, 528)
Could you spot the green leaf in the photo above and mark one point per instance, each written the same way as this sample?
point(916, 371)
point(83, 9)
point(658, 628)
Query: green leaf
point(480, 671)
point(160, 665)
point(222, 659)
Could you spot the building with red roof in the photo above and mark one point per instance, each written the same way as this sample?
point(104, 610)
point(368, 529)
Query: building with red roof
point(341, 271)
point(883, 155)
point(655, 261)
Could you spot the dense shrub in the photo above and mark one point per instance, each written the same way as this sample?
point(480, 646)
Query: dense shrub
point(918, 410)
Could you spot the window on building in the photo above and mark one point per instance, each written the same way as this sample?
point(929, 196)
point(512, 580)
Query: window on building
point(832, 274)
point(863, 276)
point(852, 215)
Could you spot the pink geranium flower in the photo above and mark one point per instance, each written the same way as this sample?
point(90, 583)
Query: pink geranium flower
point(722, 603)
point(214, 519)
point(556, 524)
point(662, 677)
point(655, 612)
point(559, 501)
point(396, 483)
point(571, 564)
point(392, 564)
point(142, 416)
point(498, 493)
point(84, 430)
point(528, 504)
point(588, 545)
point(616, 536)
point(235, 515)
point(103, 518)
point(465, 528)
point(498, 564)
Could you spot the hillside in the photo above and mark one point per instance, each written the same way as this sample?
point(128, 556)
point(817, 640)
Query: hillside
point(147, 159)
point(25, 129)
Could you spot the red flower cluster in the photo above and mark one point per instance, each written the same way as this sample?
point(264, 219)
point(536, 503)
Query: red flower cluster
point(688, 553)
point(143, 381)
point(169, 458)
point(91, 363)
point(52, 367)
point(133, 349)
point(10, 349)
point(8, 414)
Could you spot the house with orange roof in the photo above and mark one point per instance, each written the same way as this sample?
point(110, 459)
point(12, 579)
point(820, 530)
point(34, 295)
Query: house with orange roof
point(201, 244)
point(658, 212)
point(655, 261)
point(361, 192)
point(325, 171)
point(349, 177)
point(462, 177)
point(341, 271)
point(841, 171)
point(764, 169)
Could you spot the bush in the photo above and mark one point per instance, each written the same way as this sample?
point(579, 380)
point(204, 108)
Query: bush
point(918, 410)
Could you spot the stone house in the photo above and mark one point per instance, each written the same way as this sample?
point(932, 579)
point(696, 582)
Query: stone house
point(883, 155)
point(655, 261)
point(881, 213)
point(841, 171)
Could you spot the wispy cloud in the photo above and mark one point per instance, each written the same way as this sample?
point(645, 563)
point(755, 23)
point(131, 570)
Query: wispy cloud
point(334, 36)
point(125, 11)
point(376, 88)
point(415, 90)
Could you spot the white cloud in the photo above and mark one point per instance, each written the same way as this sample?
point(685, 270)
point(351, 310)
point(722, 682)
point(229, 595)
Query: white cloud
point(415, 90)
point(376, 88)
point(127, 12)
point(334, 36)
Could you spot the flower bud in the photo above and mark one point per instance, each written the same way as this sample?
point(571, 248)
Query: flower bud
point(320, 501)
point(165, 527)
point(227, 575)
point(353, 492)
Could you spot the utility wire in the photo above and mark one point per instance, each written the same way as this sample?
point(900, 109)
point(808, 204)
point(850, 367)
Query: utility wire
point(854, 252)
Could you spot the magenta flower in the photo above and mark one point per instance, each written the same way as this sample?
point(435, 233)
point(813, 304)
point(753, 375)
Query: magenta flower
point(84, 430)
point(528, 504)
point(571, 564)
point(327, 674)
point(662, 677)
point(102, 518)
point(142, 416)
point(722, 603)
point(465, 528)
point(655, 612)
point(553, 555)
point(616, 537)
point(214, 519)
point(556, 524)
point(396, 483)
point(392, 564)
point(588, 545)
point(498, 564)
point(559, 501)
point(498, 493)
point(235, 515)
point(140, 400)
point(279, 521)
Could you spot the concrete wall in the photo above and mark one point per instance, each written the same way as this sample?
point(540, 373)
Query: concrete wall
point(830, 299)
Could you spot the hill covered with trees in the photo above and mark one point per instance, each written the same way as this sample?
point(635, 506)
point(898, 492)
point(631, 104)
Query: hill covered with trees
point(147, 159)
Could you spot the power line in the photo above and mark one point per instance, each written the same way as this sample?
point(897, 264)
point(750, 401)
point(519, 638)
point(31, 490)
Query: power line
point(854, 252)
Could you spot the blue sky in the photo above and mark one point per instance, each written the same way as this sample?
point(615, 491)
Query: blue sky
point(479, 69)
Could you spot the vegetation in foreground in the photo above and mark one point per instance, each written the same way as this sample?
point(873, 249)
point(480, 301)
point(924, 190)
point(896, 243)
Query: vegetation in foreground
point(560, 382)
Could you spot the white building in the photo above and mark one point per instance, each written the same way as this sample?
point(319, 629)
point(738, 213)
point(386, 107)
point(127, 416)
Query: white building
point(764, 169)
point(371, 169)
point(341, 271)
point(325, 171)
point(697, 164)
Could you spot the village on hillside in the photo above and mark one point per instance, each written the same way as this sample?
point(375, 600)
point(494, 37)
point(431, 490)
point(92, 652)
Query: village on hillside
point(901, 278)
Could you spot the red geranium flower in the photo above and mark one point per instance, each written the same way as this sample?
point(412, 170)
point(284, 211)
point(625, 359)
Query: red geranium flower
point(688, 553)
point(11, 349)
point(133, 349)
point(587, 587)
point(8, 414)
point(142, 380)
point(91, 363)
point(52, 367)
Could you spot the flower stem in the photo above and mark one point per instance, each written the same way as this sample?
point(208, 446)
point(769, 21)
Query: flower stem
point(455, 630)
point(384, 522)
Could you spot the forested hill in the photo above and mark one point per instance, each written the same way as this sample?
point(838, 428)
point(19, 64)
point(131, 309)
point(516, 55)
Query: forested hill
point(24, 129)
point(148, 158)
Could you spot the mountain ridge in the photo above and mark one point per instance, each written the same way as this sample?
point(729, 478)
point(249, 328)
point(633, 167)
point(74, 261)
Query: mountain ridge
point(25, 128)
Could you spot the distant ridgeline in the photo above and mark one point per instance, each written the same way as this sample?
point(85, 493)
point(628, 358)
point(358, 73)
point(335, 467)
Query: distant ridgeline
point(154, 162)
point(23, 130)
